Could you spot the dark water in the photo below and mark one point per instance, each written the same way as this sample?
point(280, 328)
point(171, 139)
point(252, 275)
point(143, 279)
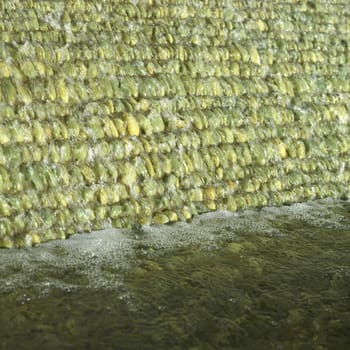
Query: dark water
point(268, 279)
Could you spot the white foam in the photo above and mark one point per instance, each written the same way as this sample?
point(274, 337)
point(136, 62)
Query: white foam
point(99, 258)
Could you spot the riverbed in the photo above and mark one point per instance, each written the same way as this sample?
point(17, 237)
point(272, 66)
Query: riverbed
point(273, 278)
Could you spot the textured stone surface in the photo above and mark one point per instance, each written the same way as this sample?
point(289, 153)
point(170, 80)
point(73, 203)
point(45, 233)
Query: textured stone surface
point(120, 114)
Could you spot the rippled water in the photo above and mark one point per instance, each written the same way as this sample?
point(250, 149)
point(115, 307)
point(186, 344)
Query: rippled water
point(277, 278)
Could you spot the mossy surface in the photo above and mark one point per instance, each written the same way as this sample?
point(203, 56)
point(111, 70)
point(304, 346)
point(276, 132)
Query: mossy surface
point(121, 114)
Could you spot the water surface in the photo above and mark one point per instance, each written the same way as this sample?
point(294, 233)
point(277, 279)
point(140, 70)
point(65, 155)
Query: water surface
point(275, 278)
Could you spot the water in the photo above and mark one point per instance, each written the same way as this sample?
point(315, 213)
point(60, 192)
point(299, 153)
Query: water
point(277, 278)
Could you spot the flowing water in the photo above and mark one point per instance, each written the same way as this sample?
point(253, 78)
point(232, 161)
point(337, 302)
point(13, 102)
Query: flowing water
point(275, 278)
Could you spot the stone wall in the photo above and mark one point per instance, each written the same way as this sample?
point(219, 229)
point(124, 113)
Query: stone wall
point(119, 114)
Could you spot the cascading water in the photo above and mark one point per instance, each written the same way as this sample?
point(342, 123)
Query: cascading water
point(115, 115)
point(124, 114)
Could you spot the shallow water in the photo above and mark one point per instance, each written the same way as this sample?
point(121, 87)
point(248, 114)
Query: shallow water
point(277, 278)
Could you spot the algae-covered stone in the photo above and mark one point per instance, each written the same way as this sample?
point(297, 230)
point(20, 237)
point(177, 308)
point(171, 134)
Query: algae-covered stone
point(62, 91)
point(234, 247)
point(5, 69)
point(132, 127)
point(160, 218)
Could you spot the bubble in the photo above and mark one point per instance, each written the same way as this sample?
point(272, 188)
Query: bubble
point(99, 259)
